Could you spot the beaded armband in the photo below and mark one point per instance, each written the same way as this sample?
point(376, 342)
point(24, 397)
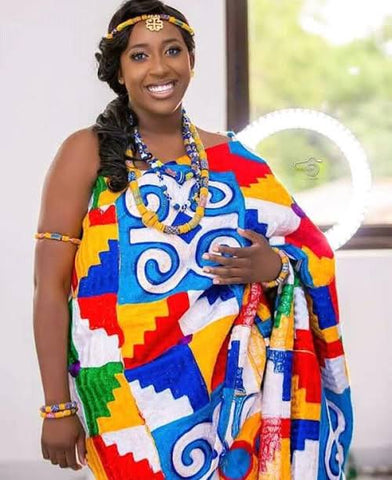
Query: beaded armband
point(283, 272)
point(57, 236)
point(59, 410)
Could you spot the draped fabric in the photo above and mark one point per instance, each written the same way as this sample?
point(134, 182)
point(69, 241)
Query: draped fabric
point(180, 378)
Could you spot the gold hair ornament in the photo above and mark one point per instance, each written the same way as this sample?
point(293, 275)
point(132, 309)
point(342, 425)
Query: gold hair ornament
point(154, 23)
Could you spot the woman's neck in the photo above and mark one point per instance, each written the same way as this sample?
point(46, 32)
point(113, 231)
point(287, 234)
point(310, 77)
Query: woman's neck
point(155, 126)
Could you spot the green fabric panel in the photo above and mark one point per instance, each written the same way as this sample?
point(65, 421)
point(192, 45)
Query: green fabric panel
point(95, 387)
point(72, 352)
point(99, 187)
point(284, 304)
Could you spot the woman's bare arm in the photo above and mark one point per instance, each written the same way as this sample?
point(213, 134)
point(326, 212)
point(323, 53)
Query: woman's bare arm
point(64, 203)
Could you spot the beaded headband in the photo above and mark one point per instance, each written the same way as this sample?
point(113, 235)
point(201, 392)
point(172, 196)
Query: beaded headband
point(154, 23)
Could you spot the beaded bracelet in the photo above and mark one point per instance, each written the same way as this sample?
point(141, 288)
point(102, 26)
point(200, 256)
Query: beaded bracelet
point(59, 410)
point(58, 407)
point(283, 272)
point(57, 236)
point(61, 414)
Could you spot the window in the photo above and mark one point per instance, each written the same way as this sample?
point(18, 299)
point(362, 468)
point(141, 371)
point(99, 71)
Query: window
point(304, 54)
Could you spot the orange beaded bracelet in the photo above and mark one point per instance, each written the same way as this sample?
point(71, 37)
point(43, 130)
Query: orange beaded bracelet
point(283, 272)
point(57, 236)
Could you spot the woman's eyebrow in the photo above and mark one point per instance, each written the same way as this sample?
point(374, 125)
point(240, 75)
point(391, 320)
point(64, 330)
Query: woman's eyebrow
point(168, 40)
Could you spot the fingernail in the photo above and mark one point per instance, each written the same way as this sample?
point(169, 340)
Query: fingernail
point(215, 248)
point(216, 280)
point(206, 269)
point(205, 256)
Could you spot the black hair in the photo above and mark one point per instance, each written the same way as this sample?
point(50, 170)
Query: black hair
point(114, 127)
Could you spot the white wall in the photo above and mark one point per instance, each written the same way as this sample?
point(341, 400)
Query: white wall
point(49, 90)
point(364, 280)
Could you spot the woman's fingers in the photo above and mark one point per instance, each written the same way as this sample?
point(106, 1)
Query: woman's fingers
point(240, 252)
point(61, 459)
point(229, 280)
point(226, 261)
point(53, 457)
point(71, 459)
point(225, 272)
point(254, 237)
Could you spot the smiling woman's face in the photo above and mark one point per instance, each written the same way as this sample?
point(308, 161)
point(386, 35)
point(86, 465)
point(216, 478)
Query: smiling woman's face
point(156, 69)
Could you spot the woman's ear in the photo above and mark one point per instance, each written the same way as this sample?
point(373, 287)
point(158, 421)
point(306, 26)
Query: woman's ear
point(192, 59)
point(120, 78)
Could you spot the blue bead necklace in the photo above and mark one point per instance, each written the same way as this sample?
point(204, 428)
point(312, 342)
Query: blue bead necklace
point(161, 169)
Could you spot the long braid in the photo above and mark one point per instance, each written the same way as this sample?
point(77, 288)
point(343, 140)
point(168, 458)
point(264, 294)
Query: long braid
point(114, 128)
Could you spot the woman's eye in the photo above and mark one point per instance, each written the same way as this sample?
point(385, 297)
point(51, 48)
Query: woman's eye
point(137, 56)
point(175, 49)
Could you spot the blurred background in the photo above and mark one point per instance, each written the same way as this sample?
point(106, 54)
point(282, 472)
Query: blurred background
point(331, 56)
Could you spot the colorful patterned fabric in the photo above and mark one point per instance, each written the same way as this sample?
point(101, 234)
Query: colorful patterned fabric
point(179, 378)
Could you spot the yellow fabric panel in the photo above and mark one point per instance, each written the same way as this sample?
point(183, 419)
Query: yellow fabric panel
point(257, 354)
point(249, 429)
point(285, 460)
point(330, 334)
point(136, 320)
point(95, 241)
point(94, 461)
point(323, 269)
point(206, 343)
point(301, 409)
point(107, 197)
point(268, 189)
point(123, 410)
point(263, 311)
point(282, 337)
point(184, 160)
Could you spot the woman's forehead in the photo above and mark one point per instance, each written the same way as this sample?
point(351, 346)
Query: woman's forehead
point(142, 35)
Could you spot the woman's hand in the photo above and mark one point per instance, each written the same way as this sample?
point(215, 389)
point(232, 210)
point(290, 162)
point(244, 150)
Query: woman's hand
point(60, 437)
point(257, 263)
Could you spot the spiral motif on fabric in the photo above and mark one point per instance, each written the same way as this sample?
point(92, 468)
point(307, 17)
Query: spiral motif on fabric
point(157, 270)
point(193, 453)
point(152, 198)
point(220, 195)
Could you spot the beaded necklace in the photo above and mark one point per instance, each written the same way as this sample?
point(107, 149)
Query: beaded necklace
point(199, 166)
point(161, 169)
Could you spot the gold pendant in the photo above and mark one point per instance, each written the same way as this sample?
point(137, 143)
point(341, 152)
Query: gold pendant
point(154, 24)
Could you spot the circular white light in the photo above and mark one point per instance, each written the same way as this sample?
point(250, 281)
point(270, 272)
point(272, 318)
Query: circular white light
point(352, 215)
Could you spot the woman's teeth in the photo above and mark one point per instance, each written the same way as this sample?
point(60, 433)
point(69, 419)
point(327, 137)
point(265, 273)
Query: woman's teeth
point(161, 88)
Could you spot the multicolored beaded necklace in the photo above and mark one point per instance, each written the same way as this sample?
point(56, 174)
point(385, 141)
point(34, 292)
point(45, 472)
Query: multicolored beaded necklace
point(199, 170)
point(179, 176)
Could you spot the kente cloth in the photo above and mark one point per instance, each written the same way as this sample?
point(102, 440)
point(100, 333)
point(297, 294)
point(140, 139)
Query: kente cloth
point(181, 378)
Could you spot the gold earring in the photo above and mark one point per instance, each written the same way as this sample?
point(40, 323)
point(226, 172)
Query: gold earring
point(192, 73)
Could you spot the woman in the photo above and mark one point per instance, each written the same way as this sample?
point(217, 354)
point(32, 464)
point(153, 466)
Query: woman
point(188, 346)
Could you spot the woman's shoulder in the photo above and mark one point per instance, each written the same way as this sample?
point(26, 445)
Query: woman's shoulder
point(84, 140)
point(80, 151)
point(211, 139)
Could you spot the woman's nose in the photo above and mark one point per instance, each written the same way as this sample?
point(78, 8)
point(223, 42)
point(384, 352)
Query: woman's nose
point(159, 65)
